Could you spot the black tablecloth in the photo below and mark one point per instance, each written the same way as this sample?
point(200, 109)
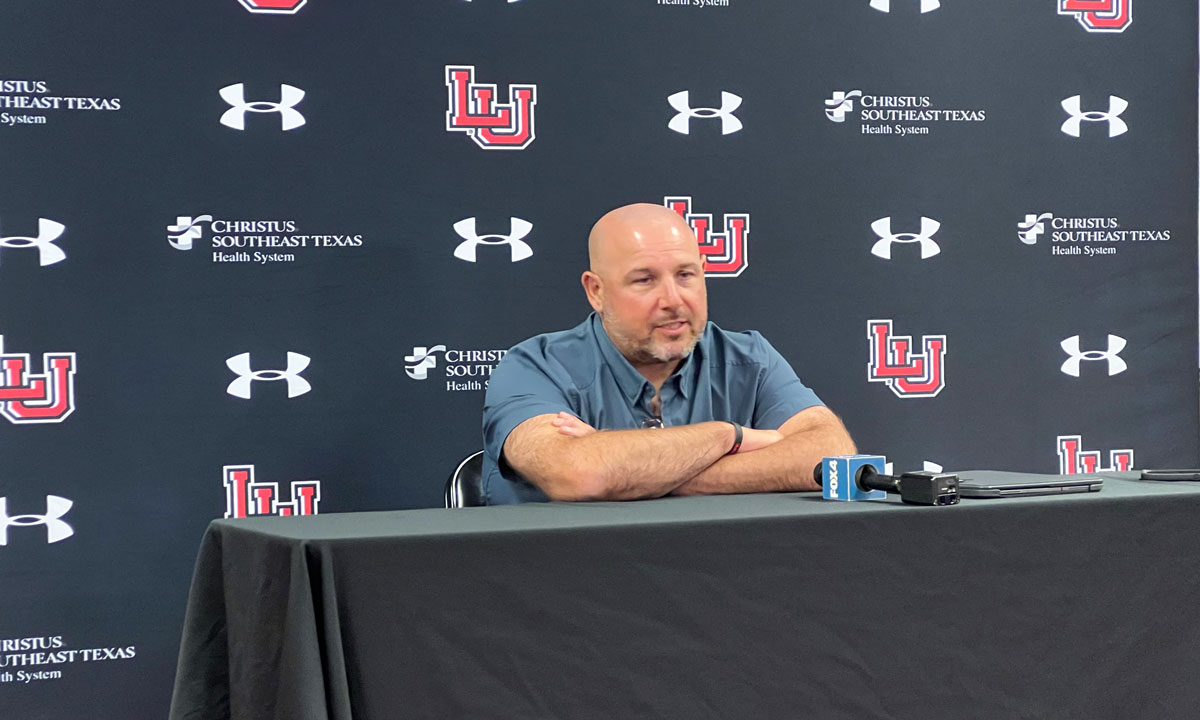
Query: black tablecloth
point(750, 606)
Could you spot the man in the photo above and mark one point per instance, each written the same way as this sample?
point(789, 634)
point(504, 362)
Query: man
point(646, 398)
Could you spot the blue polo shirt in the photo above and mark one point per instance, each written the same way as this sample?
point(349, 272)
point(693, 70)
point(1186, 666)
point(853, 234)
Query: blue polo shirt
point(734, 376)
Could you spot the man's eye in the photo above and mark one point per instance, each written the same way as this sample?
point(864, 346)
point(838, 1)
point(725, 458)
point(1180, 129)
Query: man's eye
point(641, 280)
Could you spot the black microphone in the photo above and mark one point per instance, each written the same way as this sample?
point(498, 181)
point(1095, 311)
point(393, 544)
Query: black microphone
point(919, 487)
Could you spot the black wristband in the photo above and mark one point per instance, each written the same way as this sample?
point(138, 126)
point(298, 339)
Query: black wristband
point(737, 438)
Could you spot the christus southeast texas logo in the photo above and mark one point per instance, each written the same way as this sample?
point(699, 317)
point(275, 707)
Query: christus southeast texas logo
point(274, 7)
point(476, 111)
point(899, 114)
point(258, 241)
point(42, 247)
point(462, 369)
point(28, 397)
point(896, 362)
point(38, 102)
point(725, 251)
point(247, 497)
point(1077, 236)
point(30, 659)
point(1099, 16)
point(1073, 459)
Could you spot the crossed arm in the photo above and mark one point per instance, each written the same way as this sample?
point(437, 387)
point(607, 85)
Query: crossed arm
point(570, 460)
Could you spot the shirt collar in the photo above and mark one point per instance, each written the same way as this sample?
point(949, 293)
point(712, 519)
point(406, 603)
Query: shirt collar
point(631, 382)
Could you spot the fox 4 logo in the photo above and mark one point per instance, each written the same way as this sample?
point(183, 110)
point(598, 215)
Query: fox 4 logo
point(1099, 16)
point(725, 254)
point(247, 497)
point(1072, 458)
point(27, 397)
point(893, 361)
point(475, 110)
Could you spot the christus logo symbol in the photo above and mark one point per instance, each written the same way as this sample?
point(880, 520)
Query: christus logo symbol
point(725, 254)
point(48, 232)
point(886, 5)
point(246, 497)
point(185, 230)
point(26, 397)
point(517, 229)
point(907, 373)
point(1033, 226)
point(1099, 16)
point(841, 103)
point(1116, 106)
point(56, 528)
point(682, 122)
point(421, 360)
point(883, 229)
point(1072, 458)
point(241, 386)
point(1110, 355)
point(493, 125)
point(235, 117)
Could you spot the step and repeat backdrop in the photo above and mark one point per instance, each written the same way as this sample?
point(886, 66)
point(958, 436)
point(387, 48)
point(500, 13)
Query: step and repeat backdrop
point(261, 256)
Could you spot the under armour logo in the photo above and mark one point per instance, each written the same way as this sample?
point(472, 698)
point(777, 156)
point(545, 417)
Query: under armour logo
point(1033, 226)
point(246, 497)
point(274, 7)
point(289, 98)
point(27, 397)
point(1116, 106)
point(682, 122)
point(1100, 16)
point(1072, 458)
point(56, 528)
point(517, 229)
point(1110, 355)
point(241, 387)
point(841, 103)
point(907, 373)
point(492, 125)
point(725, 254)
point(886, 5)
point(883, 247)
point(185, 230)
point(421, 360)
point(48, 232)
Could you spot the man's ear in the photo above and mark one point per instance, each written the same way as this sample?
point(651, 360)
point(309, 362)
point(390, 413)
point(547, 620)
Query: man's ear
point(594, 287)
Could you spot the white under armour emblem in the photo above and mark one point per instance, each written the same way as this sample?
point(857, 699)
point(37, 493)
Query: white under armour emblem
point(1116, 106)
point(681, 123)
point(48, 232)
point(518, 248)
point(56, 528)
point(1110, 355)
point(289, 98)
point(241, 387)
point(883, 247)
point(886, 5)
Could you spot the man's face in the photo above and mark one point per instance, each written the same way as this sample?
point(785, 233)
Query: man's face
point(651, 295)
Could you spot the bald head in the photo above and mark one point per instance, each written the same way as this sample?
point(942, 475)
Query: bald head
point(647, 284)
point(625, 231)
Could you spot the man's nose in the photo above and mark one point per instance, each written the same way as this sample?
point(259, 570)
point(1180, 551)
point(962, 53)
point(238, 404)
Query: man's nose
point(669, 297)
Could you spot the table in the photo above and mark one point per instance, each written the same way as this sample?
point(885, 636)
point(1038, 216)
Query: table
point(750, 606)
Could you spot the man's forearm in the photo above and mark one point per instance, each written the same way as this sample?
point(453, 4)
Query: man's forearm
point(784, 466)
point(621, 464)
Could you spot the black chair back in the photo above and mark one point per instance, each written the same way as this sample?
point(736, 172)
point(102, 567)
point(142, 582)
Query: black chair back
point(464, 487)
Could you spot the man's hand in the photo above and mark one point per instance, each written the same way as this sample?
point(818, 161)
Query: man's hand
point(571, 426)
point(758, 439)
